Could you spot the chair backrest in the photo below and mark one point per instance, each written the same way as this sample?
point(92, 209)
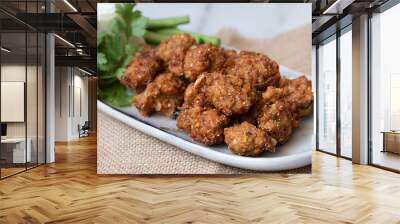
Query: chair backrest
point(86, 125)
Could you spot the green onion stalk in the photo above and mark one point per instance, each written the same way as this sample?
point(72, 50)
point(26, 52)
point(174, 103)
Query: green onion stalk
point(161, 29)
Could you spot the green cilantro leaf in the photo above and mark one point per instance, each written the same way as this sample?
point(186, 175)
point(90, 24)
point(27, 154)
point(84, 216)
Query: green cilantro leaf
point(139, 27)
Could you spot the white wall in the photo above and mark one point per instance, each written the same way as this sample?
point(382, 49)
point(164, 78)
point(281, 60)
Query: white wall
point(61, 103)
point(71, 94)
point(80, 109)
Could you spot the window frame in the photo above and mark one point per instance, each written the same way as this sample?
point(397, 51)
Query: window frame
point(334, 37)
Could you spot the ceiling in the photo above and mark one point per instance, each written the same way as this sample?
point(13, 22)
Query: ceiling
point(74, 22)
point(19, 54)
point(330, 15)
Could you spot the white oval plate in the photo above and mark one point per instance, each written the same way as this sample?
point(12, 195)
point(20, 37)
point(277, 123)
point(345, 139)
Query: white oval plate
point(293, 154)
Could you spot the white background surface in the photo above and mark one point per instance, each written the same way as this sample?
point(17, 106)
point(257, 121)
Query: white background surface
point(256, 20)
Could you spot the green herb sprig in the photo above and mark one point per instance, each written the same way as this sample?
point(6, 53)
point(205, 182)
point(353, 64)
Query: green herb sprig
point(126, 34)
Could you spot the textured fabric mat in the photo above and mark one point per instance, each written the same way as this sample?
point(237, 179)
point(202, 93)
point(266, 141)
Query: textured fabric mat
point(124, 150)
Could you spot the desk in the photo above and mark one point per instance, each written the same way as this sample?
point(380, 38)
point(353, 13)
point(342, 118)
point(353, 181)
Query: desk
point(18, 149)
point(391, 141)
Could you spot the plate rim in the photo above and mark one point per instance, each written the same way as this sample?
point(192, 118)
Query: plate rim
point(293, 161)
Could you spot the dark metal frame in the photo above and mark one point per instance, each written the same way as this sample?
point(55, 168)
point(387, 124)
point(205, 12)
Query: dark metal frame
point(369, 71)
point(0, 90)
point(37, 90)
point(44, 70)
point(338, 98)
point(45, 92)
point(316, 96)
point(26, 88)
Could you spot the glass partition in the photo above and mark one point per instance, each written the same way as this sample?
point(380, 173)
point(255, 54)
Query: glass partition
point(14, 153)
point(346, 93)
point(32, 98)
point(385, 89)
point(327, 96)
point(23, 89)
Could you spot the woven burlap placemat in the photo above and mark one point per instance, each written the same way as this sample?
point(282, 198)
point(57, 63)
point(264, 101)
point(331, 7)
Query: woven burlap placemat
point(125, 150)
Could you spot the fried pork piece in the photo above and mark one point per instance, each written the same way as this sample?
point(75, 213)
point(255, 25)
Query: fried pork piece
point(141, 70)
point(276, 120)
point(230, 54)
point(252, 115)
point(186, 118)
point(283, 82)
point(204, 125)
point(164, 95)
point(299, 96)
point(203, 58)
point(173, 51)
point(232, 95)
point(273, 94)
point(195, 93)
point(260, 69)
point(247, 140)
point(230, 57)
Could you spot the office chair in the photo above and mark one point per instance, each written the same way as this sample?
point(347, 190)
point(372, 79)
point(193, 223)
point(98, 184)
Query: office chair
point(84, 130)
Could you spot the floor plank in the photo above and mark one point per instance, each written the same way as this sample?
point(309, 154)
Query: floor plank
point(70, 191)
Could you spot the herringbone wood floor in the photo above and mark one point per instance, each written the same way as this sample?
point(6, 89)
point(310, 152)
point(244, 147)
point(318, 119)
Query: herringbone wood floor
point(69, 191)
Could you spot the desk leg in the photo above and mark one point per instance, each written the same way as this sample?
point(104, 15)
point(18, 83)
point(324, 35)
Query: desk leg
point(384, 142)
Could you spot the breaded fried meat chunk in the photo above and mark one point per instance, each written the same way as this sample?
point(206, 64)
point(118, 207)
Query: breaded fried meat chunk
point(247, 140)
point(232, 95)
point(276, 120)
point(164, 95)
point(203, 58)
point(273, 94)
point(258, 68)
point(173, 50)
point(252, 115)
point(141, 70)
point(205, 125)
point(195, 93)
point(299, 96)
